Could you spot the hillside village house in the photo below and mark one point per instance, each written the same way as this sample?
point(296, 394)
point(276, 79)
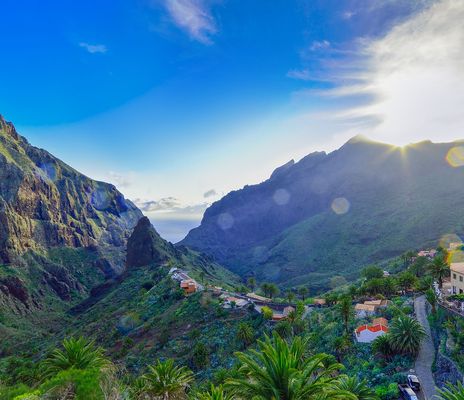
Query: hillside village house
point(254, 296)
point(455, 246)
point(369, 307)
point(364, 310)
point(368, 333)
point(189, 286)
point(457, 277)
point(277, 316)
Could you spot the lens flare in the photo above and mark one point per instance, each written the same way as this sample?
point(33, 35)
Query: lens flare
point(340, 206)
point(281, 197)
point(225, 221)
point(455, 156)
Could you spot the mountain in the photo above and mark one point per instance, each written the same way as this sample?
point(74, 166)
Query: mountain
point(44, 203)
point(77, 257)
point(330, 214)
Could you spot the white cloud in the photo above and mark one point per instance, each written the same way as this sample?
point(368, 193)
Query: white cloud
point(406, 86)
point(318, 45)
point(194, 17)
point(94, 48)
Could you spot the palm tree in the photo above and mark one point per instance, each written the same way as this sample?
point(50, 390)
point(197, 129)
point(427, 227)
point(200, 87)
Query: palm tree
point(357, 387)
point(405, 335)
point(281, 371)
point(273, 290)
point(303, 292)
point(251, 282)
point(431, 297)
point(382, 347)
point(290, 296)
point(265, 288)
point(345, 307)
point(77, 353)
point(451, 392)
point(341, 346)
point(167, 381)
point(215, 393)
point(245, 333)
point(439, 269)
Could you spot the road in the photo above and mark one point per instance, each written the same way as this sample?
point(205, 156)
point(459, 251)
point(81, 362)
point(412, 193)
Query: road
point(423, 365)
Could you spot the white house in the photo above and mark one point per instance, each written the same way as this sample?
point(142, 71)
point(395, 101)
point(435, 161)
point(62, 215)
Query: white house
point(368, 333)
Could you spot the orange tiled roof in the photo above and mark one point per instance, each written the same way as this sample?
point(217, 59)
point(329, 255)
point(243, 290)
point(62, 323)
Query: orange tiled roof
point(372, 328)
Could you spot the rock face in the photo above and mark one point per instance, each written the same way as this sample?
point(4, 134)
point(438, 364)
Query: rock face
point(145, 246)
point(330, 214)
point(45, 203)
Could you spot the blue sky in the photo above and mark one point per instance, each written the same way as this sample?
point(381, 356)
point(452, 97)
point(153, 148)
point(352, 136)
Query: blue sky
point(180, 101)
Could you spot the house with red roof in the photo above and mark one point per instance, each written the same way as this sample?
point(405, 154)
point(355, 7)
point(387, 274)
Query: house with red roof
point(368, 333)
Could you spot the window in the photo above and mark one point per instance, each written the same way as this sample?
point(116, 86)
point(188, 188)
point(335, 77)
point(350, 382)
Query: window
point(460, 291)
point(460, 278)
point(454, 276)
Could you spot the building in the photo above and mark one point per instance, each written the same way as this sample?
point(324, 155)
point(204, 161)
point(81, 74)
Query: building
point(364, 310)
point(368, 333)
point(254, 296)
point(457, 277)
point(427, 253)
point(455, 246)
point(378, 303)
point(189, 286)
point(234, 302)
point(319, 302)
point(277, 316)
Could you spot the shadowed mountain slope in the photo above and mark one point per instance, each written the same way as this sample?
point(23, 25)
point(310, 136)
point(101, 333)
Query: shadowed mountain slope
point(329, 214)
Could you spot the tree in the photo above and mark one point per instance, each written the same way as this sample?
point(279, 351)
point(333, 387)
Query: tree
point(167, 381)
point(282, 371)
point(290, 296)
point(265, 288)
point(406, 280)
point(345, 308)
point(372, 272)
point(439, 269)
point(450, 392)
point(337, 281)
point(245, 333)
point(431, 297)
point(215, 393)
point(273, 290)
point(303, 292)
point(251, 282)
point(341, 345)
point(202, 277)
point(407, 258)
point(77, 353)
point(381, 346)
point(357, 387)
point(406, 335)
point(200, 355)
point(267, 312)
point(284, 329)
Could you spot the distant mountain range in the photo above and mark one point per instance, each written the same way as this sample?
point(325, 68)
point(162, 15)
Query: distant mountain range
point(330, 214)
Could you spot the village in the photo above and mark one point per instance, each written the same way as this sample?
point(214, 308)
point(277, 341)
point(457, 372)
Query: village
point(370, 314)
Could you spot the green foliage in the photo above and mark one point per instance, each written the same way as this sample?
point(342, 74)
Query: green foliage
point(451, 392)
point(372, 272)
point(406, 335)
point(357, 387)
point(214, 393)
point(267, 312)
point(166, 380)
point(245, 333)
point(200, 355)
point(387, 391)
point(76, 353)
point(439, 269)
point(279, 370)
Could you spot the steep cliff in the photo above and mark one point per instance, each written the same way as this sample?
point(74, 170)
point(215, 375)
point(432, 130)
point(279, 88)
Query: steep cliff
point(45, 203)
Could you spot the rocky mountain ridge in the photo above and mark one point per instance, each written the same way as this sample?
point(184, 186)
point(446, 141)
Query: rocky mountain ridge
point(45, 203)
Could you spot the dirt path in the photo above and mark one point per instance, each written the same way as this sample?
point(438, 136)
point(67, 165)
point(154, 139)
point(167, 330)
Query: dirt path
point(423, 366)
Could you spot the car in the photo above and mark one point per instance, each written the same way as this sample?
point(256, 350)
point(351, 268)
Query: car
point(413, 382)
point(407, 393)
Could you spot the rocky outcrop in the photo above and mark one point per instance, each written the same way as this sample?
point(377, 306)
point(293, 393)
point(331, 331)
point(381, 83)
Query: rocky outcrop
point(14, 287)
point(145, 246)
point(46, 203)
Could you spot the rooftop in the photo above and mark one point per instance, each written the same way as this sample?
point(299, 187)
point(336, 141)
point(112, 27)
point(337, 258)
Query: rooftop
point(457, 267)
